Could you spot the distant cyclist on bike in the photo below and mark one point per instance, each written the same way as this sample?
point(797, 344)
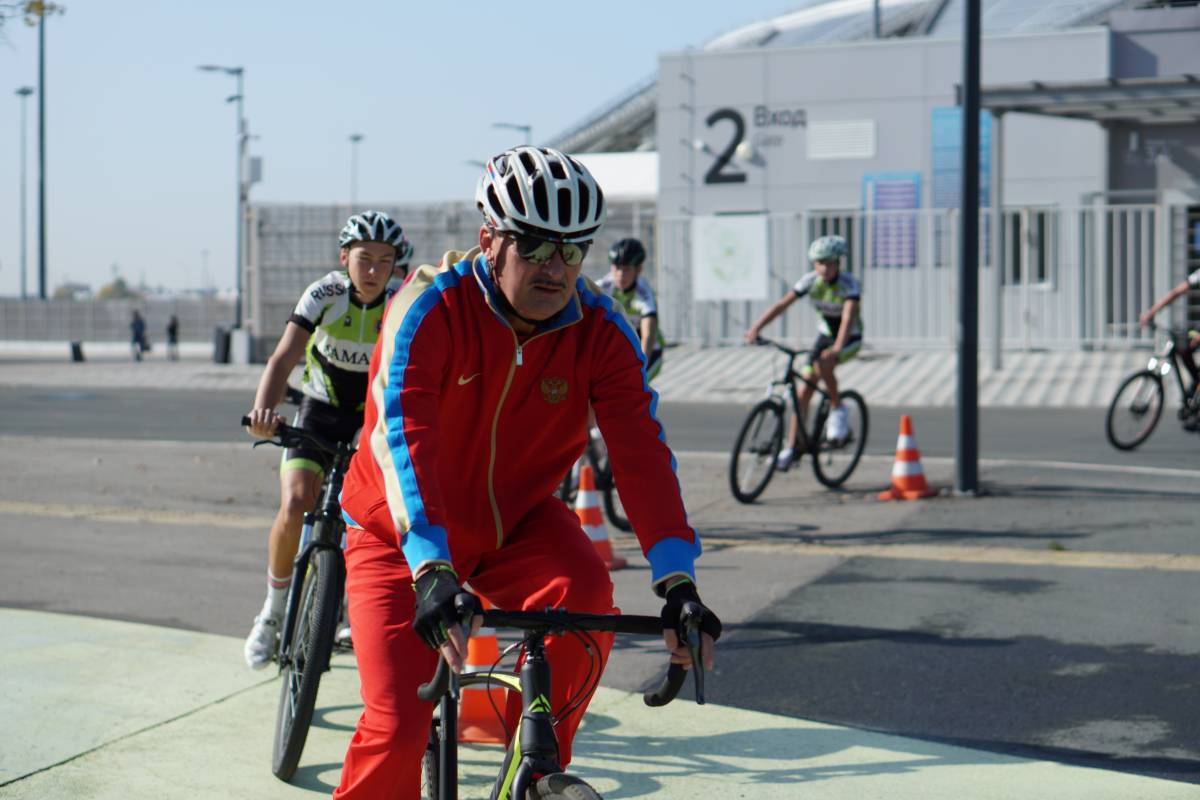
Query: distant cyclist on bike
point(1193, 338)
point(333, 327)
point(836, 296)
point(633, 294)
point(477, 404)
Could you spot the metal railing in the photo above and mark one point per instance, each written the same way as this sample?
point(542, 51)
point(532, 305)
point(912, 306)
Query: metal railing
point(1071, 277)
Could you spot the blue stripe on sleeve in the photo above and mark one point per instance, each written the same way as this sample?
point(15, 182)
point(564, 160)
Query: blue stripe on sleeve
point(680, 555)
point(423, 541)
point(673, 555)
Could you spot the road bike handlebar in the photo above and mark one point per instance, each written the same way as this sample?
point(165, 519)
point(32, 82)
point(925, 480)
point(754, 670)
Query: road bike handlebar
point(287, 436)
point(762, 341)
point(556, 619)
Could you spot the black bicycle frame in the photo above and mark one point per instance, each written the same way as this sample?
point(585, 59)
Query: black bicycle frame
point(537, 743)
point(330, 513)
point(789, 379)
point(1180, 363)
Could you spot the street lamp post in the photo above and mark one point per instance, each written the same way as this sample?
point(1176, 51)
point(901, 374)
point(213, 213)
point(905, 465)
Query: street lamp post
point(515, 126)
point(42, 155)
point(242, 138)
point(355, 138)
point(23, 93)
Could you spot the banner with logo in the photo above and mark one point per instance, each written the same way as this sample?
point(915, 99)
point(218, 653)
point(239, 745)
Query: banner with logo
point(729, 257)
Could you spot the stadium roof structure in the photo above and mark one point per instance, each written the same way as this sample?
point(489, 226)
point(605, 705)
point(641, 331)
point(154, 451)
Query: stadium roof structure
point(1146, 101)
point(627, 122)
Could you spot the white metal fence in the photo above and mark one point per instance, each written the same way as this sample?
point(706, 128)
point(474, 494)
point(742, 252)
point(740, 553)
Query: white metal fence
point(293, 245)
point(1071, 277)
point(108, 320)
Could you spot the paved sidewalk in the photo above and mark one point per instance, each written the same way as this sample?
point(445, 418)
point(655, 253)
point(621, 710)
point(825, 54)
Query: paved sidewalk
point(108, 709)
point(690, 374)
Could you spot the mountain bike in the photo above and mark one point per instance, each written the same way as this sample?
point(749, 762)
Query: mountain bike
point(596, 455)
point(314, 605)
point(530, 769)
point(1138, 403)
point(756, 450)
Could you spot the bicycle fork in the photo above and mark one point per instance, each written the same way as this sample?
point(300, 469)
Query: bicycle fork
point(534, 748)
point(295, 591)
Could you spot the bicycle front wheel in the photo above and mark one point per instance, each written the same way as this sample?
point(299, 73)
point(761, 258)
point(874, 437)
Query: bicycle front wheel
point(561, 786)
point(312, 643)
point(1135, 410)
point(614, 509)
point(833, 461)
point(755, 451)
point(429, 762)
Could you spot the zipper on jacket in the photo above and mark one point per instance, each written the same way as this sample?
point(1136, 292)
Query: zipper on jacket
point(520, 356)
point(492, 451)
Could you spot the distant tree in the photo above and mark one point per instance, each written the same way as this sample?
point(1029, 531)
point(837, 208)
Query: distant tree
point(117, 290)
point(31, 11)
point(63, 293)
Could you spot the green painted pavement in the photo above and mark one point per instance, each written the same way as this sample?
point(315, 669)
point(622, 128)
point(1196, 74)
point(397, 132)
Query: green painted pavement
point(95, 708)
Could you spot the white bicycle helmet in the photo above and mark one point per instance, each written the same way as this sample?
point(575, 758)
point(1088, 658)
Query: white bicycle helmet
point(375, 226)
point(404, 251)
point(827, 248)
point(539, 191)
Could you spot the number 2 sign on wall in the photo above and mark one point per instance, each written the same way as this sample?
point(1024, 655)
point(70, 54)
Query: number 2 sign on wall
point(721, 171)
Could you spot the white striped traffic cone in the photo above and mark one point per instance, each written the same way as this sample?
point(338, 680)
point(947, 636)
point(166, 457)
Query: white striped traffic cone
point(908, 477)
point(587, 508)
point(477, 720)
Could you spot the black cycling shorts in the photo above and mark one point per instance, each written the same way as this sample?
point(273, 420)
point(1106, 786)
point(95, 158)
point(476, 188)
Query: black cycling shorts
point(824, 342)
point(335, 424)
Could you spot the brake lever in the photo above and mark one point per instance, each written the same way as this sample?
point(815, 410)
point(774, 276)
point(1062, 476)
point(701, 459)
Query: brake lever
point(690, 627)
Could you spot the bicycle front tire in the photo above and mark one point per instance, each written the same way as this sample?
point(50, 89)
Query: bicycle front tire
point(614, 509)
point(834, 462)
point(561, 786)
point(1138, 400)
point(312, 644)
point(754, 452)
point(429, 762)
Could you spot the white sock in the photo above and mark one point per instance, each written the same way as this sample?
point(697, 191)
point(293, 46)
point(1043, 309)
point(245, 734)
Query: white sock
point(277, 593)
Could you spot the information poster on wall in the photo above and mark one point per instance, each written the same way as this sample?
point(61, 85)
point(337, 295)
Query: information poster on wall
point(893, 234)
point(729, 257)
point(947, 157)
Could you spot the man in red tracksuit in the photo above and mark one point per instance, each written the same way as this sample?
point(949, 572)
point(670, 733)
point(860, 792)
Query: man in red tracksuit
point(477, 405)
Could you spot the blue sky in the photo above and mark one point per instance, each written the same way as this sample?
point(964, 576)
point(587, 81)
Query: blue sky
point(141, 147)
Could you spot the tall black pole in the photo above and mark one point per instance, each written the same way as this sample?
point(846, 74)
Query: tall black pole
point(23, 93)
point(241, 200)
point(42, 156)
point(967, 449)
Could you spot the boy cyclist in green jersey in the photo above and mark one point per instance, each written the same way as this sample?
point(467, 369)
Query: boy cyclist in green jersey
point(634, 297)
point(836, 296)
point(333, 327)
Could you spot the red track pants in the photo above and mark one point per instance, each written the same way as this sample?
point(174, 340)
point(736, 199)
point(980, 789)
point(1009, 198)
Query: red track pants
point(546, 561)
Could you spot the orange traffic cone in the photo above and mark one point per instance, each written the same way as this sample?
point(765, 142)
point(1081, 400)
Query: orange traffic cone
point(477, 719)
point(908, 477)
point(587, 508)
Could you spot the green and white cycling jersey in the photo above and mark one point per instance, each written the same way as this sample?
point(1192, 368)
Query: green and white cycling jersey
point(343, 334)
point(829, 298)
point(636, 302)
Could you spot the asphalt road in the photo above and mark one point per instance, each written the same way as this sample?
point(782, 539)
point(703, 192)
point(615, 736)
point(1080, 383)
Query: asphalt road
point(1005, 433)
point(1054, 616)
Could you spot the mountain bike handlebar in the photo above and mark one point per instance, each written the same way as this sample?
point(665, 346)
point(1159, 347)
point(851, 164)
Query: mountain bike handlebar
point(287, 436)
point(762, 341)
point(557, 619)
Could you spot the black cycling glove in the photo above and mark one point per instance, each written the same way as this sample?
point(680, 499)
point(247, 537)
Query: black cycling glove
point(437, 591)
point(684, 593)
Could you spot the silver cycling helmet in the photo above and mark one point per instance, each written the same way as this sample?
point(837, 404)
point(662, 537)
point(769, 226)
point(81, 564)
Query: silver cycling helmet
point(374, 226)
point(539, 191)
point(404, 251)
point(827, 248)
